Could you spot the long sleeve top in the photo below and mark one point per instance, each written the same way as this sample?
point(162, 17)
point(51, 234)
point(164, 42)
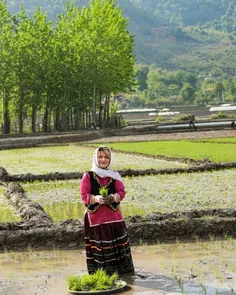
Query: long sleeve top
point(104, 214)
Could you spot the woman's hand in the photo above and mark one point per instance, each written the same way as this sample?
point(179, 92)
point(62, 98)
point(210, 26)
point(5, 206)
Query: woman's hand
point(97, 199)
point(114, 198)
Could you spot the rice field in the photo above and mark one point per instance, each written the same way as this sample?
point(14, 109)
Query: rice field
point(144, 194)
point(71, 158)
point(214, 151)
point(61, 200)
point(187, 268)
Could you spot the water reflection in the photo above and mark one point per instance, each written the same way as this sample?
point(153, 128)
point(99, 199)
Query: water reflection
point(170, 269)
point(167, 285)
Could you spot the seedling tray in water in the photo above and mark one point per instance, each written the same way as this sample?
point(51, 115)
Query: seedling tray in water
point(121, 287)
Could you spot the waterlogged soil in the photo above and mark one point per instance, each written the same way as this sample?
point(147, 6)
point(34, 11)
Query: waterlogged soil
point(181, 268)
point(170, 269)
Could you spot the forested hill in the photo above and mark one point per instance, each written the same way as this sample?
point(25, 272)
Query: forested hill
point(196, 35)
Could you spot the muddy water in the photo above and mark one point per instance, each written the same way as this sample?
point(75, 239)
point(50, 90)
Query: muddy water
point(170, 269)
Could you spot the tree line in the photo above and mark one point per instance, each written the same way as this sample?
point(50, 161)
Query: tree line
point(63, 74)
point(161, 88)
point(170, 32)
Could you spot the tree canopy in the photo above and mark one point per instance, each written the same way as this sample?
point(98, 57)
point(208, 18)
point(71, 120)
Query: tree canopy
point(196, 35)
point(63, 74)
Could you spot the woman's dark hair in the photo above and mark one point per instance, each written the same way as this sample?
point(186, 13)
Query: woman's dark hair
point(103, 149)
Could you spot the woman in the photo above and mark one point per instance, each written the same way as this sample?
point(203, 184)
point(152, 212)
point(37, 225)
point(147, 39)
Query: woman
point(106, 238)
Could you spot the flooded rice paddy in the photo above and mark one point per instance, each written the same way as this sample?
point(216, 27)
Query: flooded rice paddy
point(181, 268)
point(170, 269)
point(71, 158)
point(145, 194)
point(164, 269)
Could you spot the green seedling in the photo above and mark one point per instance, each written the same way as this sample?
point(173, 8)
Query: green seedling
point(95, 282)
point(103, 192)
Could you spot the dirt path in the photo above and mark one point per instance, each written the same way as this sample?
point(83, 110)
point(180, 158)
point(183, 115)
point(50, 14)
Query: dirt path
point(170, 136)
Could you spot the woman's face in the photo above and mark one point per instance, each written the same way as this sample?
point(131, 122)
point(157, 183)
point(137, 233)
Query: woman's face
point(103, 159)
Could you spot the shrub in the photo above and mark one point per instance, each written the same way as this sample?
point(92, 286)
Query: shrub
point(221, 115)
point(183, 117)
point(159, 119)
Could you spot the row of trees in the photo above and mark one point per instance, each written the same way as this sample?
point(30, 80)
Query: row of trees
point(158, 87)
point(63, 73)
point(171, 34)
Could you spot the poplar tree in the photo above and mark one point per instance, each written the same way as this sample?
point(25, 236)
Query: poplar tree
point(66, 72)
point(6, 64)
point(110, 45)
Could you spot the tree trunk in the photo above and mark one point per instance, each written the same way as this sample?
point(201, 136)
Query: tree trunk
point(33, 119)
point(20, 121)
point(77, 118)
point(6, 116)
point(57, 121)
point(45, 119)
point(100, 107)
point(106, 110)
point(94, 120)
point(21, 115)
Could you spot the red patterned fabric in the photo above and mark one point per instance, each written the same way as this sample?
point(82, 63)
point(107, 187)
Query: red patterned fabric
point(107, 247)
point(106, 237)
point(104, 213)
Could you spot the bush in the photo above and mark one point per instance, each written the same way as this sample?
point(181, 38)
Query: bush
point(221, 115)
point(183, 117)
point(159, 119)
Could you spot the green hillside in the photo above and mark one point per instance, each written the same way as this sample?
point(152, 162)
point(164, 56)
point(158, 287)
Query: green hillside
point(196, 35)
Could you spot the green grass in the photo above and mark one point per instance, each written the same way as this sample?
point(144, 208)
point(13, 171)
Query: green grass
point(222, 140)
point(181, 149)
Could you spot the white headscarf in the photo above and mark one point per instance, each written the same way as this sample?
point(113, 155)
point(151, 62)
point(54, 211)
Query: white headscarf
point(108, 172)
